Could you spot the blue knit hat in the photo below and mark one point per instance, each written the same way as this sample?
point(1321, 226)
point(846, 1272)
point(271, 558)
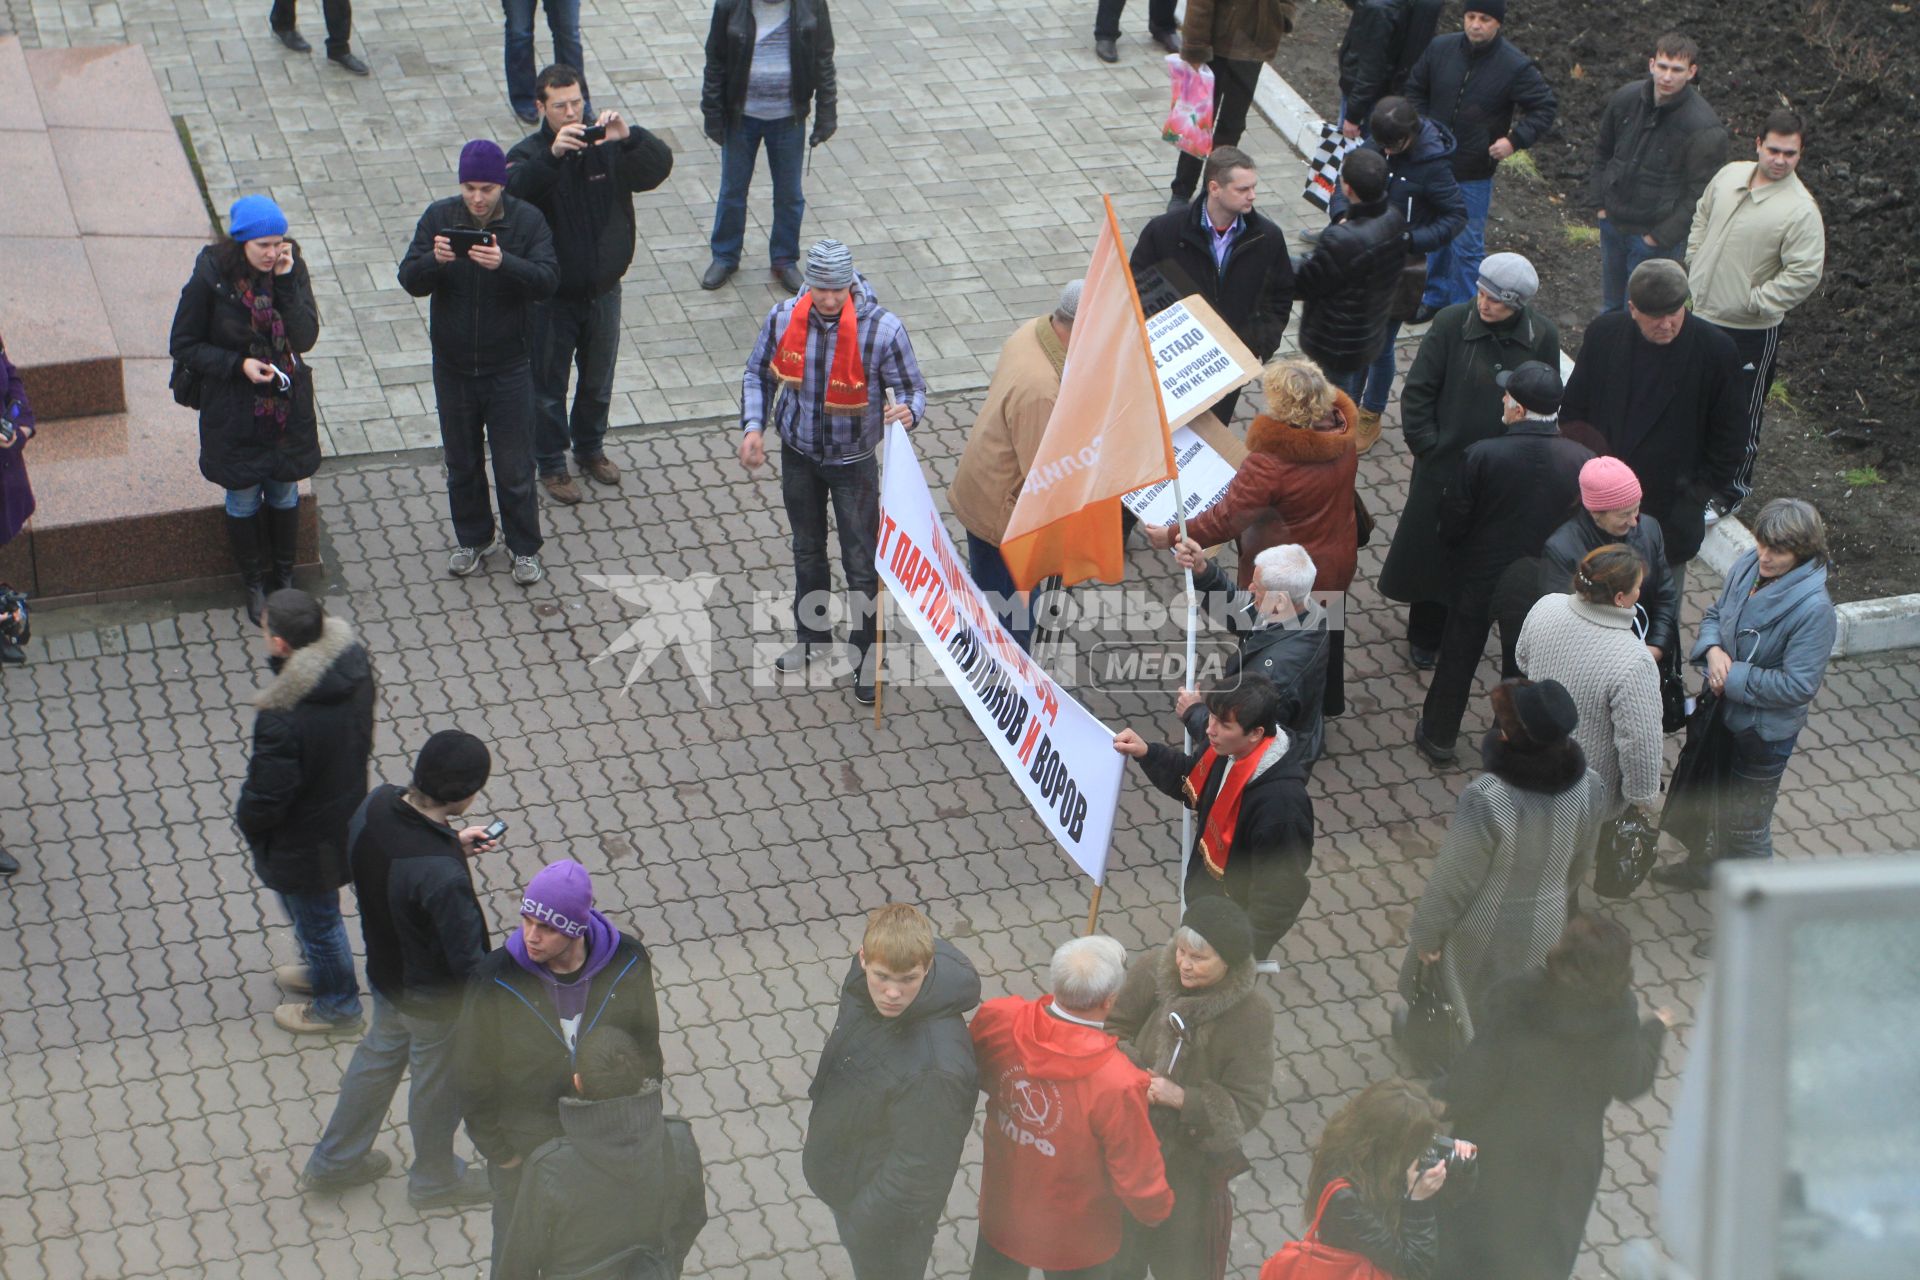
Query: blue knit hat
point(483, 161)
point(253, 217)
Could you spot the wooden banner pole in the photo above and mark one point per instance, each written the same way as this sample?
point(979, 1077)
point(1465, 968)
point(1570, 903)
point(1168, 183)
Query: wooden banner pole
point(1093, 911)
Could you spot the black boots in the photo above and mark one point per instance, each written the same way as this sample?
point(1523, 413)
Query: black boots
point(244, 532)
point(283, 533)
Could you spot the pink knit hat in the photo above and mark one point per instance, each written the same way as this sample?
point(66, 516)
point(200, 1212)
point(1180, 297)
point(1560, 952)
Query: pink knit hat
point(1608, 484)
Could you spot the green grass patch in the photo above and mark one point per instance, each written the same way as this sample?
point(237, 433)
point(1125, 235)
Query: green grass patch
point(1581, 237)
point(1780, 396)
point(1864, 477)
point(1521, 162)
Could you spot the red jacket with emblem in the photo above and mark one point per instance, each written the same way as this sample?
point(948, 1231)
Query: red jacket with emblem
point(1068, 1143)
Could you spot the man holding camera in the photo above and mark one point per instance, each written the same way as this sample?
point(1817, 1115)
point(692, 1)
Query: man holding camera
point(582, 178)
point(484, 257)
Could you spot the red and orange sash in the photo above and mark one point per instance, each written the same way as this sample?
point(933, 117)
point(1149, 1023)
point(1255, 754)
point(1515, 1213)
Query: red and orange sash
point(846, 390)
point(1216, 840)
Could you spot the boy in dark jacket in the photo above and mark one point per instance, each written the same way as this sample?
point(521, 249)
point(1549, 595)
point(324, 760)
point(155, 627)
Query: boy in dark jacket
point(751, 95)
point(1659, 145)
point(565, 969)
point(585, 192)
point(1253, 820)
point(1348, 282)
point(893, 1095)
point(619, 1192)
point(1509, 494)
point(1473, 82)
point(1233, 257)
point(308, 774)
point(425, 933)
point(480, 321)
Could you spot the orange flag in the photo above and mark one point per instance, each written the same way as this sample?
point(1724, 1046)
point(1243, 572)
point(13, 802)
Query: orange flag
point(1107, 436)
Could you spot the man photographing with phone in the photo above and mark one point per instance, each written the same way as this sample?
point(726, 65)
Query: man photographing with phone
point(582, 177)
point(484, 257)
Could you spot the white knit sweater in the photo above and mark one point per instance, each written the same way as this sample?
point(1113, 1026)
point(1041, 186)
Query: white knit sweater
point(1593, 651)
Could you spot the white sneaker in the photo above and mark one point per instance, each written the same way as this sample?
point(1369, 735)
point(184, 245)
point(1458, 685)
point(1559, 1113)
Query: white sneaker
point(1267, 966)
point(527, 570)
point(1712, 516)
point(465, 560)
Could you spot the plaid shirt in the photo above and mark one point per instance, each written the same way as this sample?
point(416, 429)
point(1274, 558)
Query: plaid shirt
point(799, 415)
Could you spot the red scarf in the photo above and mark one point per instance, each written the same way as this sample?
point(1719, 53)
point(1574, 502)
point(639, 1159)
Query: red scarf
point(846, 380)
point(1216, 840)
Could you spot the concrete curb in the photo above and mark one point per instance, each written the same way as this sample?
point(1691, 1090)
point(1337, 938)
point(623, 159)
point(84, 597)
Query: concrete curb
point(1865, 626)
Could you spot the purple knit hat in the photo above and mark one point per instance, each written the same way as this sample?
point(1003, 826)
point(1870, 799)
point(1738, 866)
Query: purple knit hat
point(483, 161)
point(560, 897)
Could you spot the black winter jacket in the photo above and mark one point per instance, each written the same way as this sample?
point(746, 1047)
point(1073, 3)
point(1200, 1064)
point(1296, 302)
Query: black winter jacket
point(1272, 847)
point(1652, 162)
point(1473, 90)
point(1293, 657)
point(586, 197)
point(212, 334)
point(1384, 39)
point(1688, 437)
point(1252, 291)
point(730, 38)
point(622, 1186)
point(1420, 183)
point(893, 1100)
point(419, 917)
point(515, 1064)
point(1348, 285)
point(1406, 1253)
point(308, 773)
point(480, 319)
point(1508, 497)
point(1573, 540)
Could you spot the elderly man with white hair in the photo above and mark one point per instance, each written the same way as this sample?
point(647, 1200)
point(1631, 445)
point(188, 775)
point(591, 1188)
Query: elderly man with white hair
point(1070, 1152)
point(1283, 635)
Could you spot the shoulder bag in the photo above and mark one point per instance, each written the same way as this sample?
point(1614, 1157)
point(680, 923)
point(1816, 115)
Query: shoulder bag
point(1308, 1259)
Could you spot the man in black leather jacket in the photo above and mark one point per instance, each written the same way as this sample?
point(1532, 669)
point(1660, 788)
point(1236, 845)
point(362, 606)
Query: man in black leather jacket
point(1384, 39)
point(1347, 283)
point(752, 95)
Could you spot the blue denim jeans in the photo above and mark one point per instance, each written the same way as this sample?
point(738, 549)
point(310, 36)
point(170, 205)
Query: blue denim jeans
point(1354, 384)
point(1743, 815)
point(395, 1042)
point(1453, 270)
point(1620, 253)
point(989, 572)
point(322, 936)
point(786, 145)
point(1380, 374)
point(281, 495)
point(570, 334)
point(563, 20)
point(853, 489)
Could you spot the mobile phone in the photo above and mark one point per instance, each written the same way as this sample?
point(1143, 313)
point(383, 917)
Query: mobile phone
point(494, 830)
point(464, 239)
point(592, 133)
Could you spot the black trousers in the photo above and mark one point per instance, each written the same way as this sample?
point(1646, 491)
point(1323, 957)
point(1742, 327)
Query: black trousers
point(1106, 19)
point(1426, 623)
point(895, 1251)
point(991, 1264)
point(1461, 644)
point(1334, 702)
point(478, 413)
point(1759, 358)
point(1233, 85)
point(339, 14)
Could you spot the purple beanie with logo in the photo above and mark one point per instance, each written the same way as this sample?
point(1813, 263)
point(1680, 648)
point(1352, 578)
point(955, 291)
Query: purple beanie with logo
point(560, 897)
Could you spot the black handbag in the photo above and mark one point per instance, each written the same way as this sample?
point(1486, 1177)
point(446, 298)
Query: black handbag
point(1702, 769)
point(1628, 846)
point(1673, 693)
point(185, 384)
point(1430, 1034)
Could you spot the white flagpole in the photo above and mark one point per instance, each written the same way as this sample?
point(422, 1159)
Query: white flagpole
point(1186, 734)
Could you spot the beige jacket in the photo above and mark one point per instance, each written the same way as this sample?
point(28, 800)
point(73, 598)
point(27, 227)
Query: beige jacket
point(1007, 433)
point(1753, 255)
point(1239, 30)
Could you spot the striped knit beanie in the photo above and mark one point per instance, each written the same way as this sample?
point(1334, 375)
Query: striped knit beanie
point(830, 265)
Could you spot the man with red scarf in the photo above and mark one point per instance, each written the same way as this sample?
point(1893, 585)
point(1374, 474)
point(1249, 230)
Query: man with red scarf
point(1254, 820)
point(832, 353)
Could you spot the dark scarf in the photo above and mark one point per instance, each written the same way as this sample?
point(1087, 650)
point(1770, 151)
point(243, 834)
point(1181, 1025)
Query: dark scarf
point(269, 344)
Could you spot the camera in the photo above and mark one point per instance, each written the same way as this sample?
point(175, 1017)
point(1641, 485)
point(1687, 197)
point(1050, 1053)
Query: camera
point(1441, 1151)
point(15, 629)
point(592, 133)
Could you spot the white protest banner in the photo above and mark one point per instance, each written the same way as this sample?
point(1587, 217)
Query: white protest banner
point(1061, 758)
point(1204, 477)
point(1196, 358)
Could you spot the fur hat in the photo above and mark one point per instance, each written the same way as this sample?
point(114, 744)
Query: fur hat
point(1223, 924)
point(1534, 714)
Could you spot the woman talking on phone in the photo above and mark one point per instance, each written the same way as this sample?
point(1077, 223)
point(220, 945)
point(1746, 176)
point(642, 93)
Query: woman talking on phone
point(245, 321)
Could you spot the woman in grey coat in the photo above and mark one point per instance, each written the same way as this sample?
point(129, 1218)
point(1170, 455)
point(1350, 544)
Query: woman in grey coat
point(1521, 838)
point(1764, 647)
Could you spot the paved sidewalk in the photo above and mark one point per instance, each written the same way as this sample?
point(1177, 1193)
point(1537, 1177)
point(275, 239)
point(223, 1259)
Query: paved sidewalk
point(153, 1120)
point(974, 144)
